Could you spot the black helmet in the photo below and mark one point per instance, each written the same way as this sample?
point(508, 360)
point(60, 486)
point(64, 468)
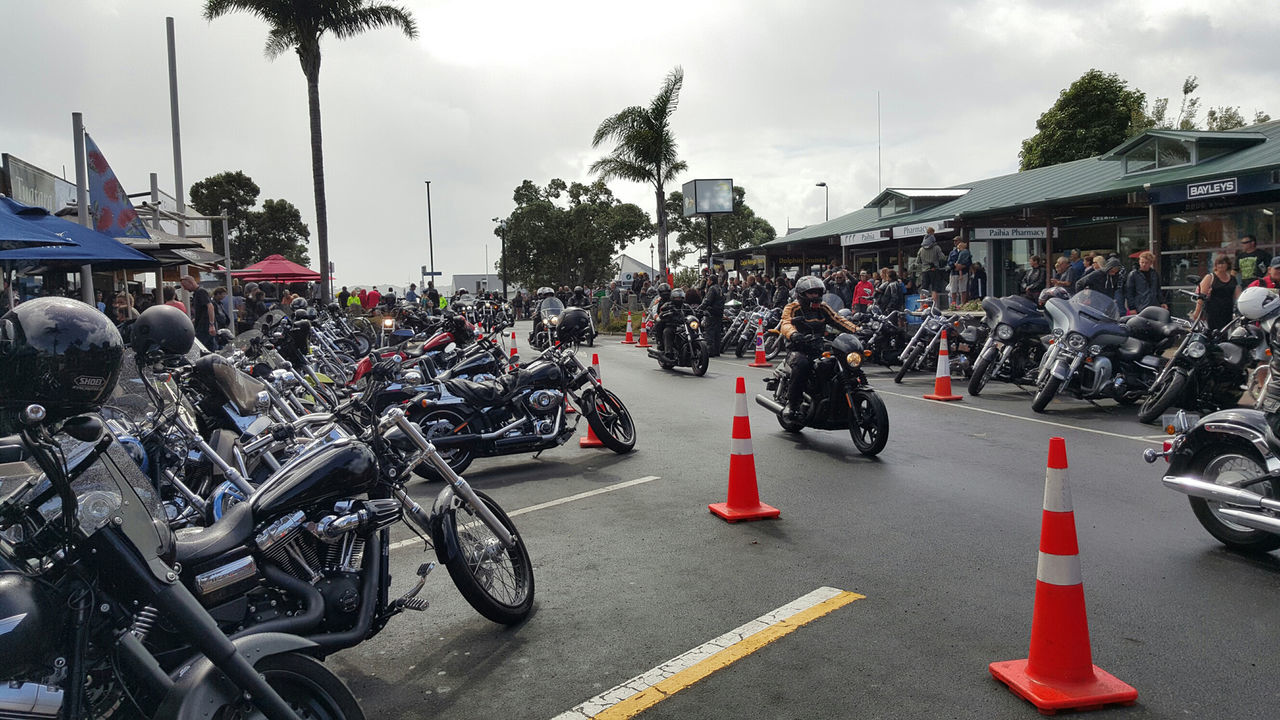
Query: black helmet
point(335, 308)
point(60, 353)
point(163, 328)
point(664, 291)
point(678, 294)
point(299, 303)
point(577, 290)
point(572, 323)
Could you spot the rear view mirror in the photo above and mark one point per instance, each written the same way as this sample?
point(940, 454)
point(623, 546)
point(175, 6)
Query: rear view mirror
point(1193, 279)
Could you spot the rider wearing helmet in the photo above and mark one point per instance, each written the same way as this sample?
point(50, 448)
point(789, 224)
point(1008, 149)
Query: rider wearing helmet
point(1263, 306)
point(804, 323)
point(579, 298)
point(660, 322)
point(671, 310)
point(60, 353)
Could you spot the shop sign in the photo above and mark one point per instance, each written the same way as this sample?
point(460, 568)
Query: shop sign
point(752, 262)
point(30, 185)
point(859, 238)
point(904, 231)
point(1011, 233)
point(1212, 188)
point(792, 260)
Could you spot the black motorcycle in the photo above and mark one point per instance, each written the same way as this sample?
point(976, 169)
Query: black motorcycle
point(90, 568)
point(1095, 355)
point(522, 411)
point(688, 348)
point(882, 335)
point(1208, 369)
point(838, 397)
point(1013, 348)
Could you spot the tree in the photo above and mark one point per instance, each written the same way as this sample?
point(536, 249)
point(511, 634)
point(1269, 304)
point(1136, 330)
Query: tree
point(1090, 117)
point(233, 194)
point(1223, 117)
point(277, 229)
point(739, 229)
point(645, 149)
point(298, 26)
point(568, 234)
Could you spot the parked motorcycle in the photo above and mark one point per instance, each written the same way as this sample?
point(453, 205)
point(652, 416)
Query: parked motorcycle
point(838, 397)
point(1013, 348)
point(1095, 355)
point(1228, 463)
point(921, 351)
point(882, 338)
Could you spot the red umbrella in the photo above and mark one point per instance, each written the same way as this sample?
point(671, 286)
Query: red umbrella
point(276, 268)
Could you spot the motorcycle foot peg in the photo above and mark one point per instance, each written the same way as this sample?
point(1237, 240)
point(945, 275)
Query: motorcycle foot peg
point(412, 603)
point(425, 568)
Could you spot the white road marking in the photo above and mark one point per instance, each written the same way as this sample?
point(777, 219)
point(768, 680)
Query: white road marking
point(550, 503)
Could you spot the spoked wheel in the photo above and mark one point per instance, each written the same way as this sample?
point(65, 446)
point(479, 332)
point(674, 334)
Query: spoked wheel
point(701, 360)
point(773, 344)
point(310, 689)
point(442, 423)
point(908, 363)
point(497, 581)
point(1238, 466)
point(609, 420)
point(1165, 393)
point(868, 422)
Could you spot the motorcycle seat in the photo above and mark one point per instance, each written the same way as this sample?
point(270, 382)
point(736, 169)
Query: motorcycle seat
point(240, 389)
point(12, 449)
point(1151, 328)
point(484, 393)
point(1133, 349)
point(195, 545)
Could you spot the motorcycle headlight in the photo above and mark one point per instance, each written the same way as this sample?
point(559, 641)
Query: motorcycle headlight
point(555, 320)
point(1004, 332)
point(1196, 349)
point(388, 323)
point(1076, 341)
point(693, 324)
point(854, 359)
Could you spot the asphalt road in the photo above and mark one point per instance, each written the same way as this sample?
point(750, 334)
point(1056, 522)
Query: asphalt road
point(940, 534)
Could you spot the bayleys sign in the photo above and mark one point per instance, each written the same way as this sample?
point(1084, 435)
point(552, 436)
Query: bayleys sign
point(1212, 188)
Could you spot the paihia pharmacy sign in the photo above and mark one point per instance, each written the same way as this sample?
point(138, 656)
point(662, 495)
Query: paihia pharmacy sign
point(1011, 233)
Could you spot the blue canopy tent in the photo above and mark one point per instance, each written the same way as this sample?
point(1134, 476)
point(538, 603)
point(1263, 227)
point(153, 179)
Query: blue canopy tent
point(87, 246)
point(17, 230)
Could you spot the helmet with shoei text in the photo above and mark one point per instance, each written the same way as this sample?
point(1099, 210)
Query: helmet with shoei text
point(1260, 305)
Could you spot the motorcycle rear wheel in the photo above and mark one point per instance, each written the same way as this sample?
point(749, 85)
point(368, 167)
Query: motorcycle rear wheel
point(457, 458)
point(310, 688)
point(868, 422)
point(1046, 393)
point(497, 582)
point(609, 420)
point(1162, 397)
point(1211, 462)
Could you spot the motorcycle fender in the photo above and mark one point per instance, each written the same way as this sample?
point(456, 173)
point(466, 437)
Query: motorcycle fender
point(991, 351)
point(445, 503)
point(200, 690)
point(1062, 370)
point(1246, 424)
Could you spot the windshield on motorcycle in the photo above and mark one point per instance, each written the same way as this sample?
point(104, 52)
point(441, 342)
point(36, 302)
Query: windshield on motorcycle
point(550, 307)
point(1098, 303)
point(834, 301)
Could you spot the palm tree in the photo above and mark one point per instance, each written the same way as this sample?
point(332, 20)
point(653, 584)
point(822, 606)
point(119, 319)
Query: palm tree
point(646, 150)
point(298, 26)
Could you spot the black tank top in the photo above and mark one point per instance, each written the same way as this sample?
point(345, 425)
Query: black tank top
point(1218, 307)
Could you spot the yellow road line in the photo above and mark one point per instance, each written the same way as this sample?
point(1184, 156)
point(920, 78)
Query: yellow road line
point(644, 691)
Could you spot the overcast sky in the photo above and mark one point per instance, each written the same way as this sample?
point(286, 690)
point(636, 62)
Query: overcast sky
point(778, 95)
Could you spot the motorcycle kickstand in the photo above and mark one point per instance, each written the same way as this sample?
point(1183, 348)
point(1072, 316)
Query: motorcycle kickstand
point(410, 600)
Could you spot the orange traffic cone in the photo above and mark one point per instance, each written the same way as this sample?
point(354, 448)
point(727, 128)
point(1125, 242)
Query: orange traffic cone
point(644, 336)
point(743, 502)
point(1059, 673)
point(942, 382)
point(761, 360)
point(629, 339)
point(591, 441)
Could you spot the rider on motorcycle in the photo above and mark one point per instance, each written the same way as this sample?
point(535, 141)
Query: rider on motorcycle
point(1263, 306)
point(544, 294)
point(579, 298)
point(661, 322)
point(671, 310)
point(804, 323)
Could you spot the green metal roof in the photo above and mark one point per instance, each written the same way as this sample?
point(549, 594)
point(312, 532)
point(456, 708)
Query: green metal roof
point(1226, 137)
point(1062, 184)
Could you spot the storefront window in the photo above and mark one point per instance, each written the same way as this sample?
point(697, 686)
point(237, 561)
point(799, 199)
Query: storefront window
point(1157, 154)
point(1191, 241)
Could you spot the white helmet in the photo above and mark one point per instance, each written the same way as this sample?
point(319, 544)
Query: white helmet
point(1259, 304)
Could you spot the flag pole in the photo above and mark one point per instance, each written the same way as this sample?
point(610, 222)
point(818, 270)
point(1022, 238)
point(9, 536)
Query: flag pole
point(82, 201)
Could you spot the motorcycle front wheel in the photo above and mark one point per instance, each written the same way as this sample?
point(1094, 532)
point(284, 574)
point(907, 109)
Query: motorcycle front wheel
point(1163, 395)
point(773, 344)
point(1223, 463)
point(436, 423)
point(1046, 393)
point(609, 420)
point(701, 360)
point(868, 422)
point(496, 581)
point(907, 363)
point(310, 688)
point(983, 370)
point(740, 348)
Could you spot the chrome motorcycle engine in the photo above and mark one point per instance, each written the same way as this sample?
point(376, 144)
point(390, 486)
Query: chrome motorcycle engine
point(545, 401)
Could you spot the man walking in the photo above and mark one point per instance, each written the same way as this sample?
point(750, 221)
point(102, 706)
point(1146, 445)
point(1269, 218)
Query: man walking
point(202, 314)
point(1142, 287)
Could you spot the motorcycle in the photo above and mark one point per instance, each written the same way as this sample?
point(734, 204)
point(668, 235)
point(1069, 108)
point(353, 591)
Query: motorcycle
point(1228, 464)
point(688, 348)
point(1095, 355)
point(838, 397)
point(89, 570)
point(921, 351)
point(521, 411)
point(1013, 348)
point(882, 338)
point(1208, 368)
point(543, 334)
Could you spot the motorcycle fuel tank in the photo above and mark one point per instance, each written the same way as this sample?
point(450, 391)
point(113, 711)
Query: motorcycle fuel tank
point(542, 373)
point(344, 468)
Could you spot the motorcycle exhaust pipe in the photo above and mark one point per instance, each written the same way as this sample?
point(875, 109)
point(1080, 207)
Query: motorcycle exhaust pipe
point(1266, 523)
point(769, 404)
point(1219, 493)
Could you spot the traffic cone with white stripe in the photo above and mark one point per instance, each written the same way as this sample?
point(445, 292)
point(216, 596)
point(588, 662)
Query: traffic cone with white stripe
point(1059, 673)
point(629, 339)
point(591, 440)
point(644, 336)
point(761, 360)
point(942, 381)
point(515, 355)
point(743, 502)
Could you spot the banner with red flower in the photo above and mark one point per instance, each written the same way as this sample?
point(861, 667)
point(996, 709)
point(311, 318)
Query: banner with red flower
point(109, 204)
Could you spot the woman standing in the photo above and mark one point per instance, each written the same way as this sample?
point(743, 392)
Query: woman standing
point(1223, 289)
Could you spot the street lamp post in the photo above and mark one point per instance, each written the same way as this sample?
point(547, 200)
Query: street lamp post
point(502, 260)
point(431, 248)
point(826, 215)
point(651, 258)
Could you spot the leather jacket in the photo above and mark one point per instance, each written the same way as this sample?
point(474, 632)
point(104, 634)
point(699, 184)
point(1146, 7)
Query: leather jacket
point(796, 318)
